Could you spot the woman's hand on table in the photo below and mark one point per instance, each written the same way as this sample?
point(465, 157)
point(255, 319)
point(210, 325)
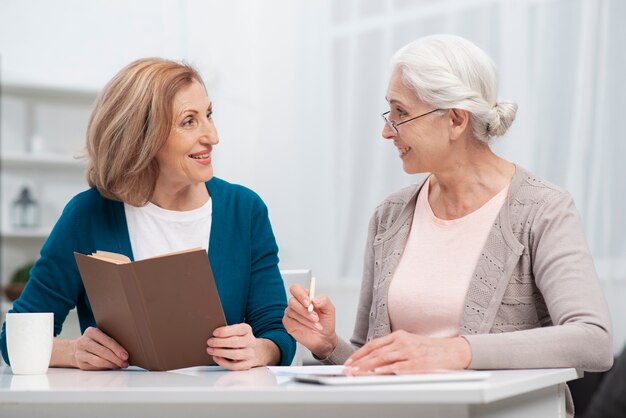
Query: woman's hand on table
point(404, 353)
point(94, 350)
point(235, 347)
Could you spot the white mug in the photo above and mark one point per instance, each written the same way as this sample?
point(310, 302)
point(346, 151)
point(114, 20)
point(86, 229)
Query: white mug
point(29, 341)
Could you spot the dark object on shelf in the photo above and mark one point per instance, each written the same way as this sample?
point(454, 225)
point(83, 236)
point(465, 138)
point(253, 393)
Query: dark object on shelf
point(18, 281)
point(25, 210)
point(13, 290)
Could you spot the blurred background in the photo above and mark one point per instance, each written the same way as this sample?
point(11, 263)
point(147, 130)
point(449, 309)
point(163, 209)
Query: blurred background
point(298, 88)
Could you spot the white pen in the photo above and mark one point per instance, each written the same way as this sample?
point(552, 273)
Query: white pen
point(311, 293)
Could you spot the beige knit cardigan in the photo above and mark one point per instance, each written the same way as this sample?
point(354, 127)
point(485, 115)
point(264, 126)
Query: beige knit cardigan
point(534, 300)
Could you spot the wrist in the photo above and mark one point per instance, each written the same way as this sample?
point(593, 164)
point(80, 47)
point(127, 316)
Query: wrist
point(464, 352)
point(328, 348)
point(267, 354)
point(63, 353)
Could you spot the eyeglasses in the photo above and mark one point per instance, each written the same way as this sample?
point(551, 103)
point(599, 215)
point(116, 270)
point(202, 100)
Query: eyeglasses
point(394, 126)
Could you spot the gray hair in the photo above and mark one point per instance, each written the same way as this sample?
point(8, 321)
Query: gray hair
point(447, 72)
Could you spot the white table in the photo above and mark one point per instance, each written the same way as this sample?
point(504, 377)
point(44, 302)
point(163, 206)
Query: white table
point(258, 393)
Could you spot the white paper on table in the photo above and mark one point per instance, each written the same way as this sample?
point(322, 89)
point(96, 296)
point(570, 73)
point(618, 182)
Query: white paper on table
point(374, 379)
point(299, 370)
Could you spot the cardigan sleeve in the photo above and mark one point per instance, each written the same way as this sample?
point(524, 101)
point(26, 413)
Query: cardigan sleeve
point(580, 334)
point(54, 284)
point(267, 299)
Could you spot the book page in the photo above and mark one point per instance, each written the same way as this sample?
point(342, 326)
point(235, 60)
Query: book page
point(111, 257)
point(297, 370)
point(175, 252)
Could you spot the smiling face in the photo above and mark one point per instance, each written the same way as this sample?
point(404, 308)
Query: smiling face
point(423, 144)
point(185, 159)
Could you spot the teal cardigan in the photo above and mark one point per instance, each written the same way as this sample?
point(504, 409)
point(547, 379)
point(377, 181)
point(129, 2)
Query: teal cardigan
point(242, 250)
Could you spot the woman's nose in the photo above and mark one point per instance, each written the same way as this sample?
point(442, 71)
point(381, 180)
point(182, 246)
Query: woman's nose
point(388, 132)
point(210, 133)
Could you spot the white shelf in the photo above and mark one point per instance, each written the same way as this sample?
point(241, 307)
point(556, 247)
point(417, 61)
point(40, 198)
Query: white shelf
point(38, 152)
point(24, 160)
point(7, 305)
point(33, 233)
point(49, 93)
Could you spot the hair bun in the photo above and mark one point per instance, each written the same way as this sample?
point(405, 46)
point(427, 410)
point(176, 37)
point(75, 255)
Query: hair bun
point(504, 116)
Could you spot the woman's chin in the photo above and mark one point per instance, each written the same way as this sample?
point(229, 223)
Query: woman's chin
point(205, 175)
point(411, 168)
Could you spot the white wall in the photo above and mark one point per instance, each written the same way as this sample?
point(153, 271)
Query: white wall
point(264, 67)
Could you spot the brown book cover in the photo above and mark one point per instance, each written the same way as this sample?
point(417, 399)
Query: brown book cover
point(162, 310)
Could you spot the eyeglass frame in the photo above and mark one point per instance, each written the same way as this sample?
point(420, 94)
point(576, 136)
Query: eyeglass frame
point(394, 126)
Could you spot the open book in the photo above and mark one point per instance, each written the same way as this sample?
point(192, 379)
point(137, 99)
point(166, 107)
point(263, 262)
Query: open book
point(162, 310)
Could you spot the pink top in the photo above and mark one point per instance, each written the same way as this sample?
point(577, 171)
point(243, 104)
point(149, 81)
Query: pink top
point(427, 292)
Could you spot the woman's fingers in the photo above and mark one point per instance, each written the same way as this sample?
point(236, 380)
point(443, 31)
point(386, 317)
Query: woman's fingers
point(232, 353)
point(96, 348)
point(302, 310)
point(238, 336)
point(399, 367)
point(368, 348)
point(88, 361)
point(402, 352)
point(375, 362)
point(106, 341)
point(233, 344)
point(323, 305)
point(230, 342)
point(300, 294)
point(232, 365)
point(241, 329)
point(300, 320)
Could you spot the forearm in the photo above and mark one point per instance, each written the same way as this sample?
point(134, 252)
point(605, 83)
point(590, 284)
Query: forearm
point(63, 353)
point(583, 346)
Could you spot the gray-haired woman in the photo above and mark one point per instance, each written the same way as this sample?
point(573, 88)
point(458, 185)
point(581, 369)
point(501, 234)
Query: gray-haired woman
point(483, 265)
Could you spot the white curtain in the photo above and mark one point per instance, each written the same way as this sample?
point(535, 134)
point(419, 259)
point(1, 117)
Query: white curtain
point(562, 61)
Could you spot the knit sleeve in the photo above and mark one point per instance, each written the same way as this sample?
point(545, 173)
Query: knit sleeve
point(580, 334)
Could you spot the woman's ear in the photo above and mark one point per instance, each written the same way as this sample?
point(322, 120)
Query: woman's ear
point(459, 122)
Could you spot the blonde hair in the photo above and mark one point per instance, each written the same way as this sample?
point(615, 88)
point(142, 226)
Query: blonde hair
point(130, 122)
point(447, 72)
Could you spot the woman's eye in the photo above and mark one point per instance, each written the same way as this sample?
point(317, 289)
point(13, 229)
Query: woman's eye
point(397, 115)
point(188, 122)
point(209, 114)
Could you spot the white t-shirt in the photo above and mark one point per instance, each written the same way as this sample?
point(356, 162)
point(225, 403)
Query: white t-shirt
point(155, 231)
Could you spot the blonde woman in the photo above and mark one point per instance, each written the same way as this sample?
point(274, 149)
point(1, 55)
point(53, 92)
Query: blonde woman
point(149, 142)
point(483, 265)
